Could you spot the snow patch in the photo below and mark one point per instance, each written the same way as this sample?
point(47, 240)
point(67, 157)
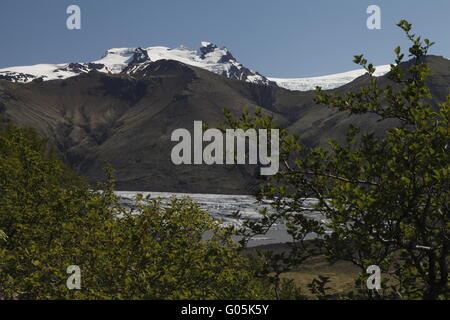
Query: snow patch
point(208, 57)
point(326, 82)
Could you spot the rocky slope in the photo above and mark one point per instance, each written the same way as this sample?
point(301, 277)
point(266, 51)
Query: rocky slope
point(127, 119)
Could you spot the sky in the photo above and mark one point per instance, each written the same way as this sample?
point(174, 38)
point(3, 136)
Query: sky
point(282, 38)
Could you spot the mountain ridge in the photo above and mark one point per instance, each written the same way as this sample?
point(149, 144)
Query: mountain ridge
point(127, 120)
point(126, 60)
point(208, 56)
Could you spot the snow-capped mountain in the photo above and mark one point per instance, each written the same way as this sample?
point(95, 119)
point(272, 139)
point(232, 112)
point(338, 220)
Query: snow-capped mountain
point(326, 82)
point(130, 60)
point(208, 56)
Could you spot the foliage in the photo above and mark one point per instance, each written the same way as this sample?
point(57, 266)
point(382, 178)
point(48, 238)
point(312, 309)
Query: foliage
point(385, 199)
point(53, 219)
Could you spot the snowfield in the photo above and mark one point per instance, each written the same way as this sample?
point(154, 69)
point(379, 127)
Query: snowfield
point(118, 60)
point(208, 57)
point(326, 82)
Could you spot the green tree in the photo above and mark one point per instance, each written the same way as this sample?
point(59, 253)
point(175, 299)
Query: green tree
point(151, 251)
point(385, 199)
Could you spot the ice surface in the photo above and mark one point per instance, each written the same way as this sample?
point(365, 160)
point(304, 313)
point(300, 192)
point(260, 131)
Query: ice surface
point(222, 207)
point(115, 60)
point(214, 59)
point(326, 82)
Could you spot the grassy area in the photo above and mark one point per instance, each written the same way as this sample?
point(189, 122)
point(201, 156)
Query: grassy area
point(342, 274)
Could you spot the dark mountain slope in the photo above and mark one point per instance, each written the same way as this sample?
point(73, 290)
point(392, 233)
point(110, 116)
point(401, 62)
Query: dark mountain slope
point(127, 120)
point(316, 125)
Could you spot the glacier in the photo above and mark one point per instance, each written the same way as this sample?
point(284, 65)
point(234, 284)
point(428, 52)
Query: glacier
point(209, 57)
point(221, 207)
point(327, 82)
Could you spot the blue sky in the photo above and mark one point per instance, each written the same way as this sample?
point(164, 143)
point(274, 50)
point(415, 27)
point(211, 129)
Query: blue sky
point(283, 38)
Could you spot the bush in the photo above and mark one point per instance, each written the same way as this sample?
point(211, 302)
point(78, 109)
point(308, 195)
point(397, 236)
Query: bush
point(52, 219)
point(385, 199)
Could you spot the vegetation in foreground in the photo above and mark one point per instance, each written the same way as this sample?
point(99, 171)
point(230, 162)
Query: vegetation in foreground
point(386, 200)
point(51, 219)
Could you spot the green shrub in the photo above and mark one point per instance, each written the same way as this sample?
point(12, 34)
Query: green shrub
point(52, 219)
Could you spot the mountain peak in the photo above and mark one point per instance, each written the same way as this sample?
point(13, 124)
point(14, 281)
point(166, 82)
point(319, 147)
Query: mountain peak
point(209, 57)
point(206, 48)
point(209, 51)
point(207, 44)
point(130, 60)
